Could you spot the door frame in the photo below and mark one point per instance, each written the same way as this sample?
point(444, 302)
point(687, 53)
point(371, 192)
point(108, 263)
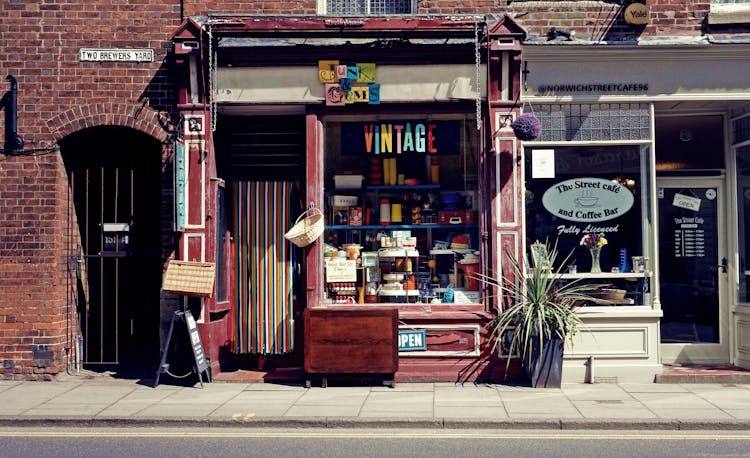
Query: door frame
point(704, 353)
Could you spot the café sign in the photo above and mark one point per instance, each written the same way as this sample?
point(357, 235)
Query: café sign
point(587, 199)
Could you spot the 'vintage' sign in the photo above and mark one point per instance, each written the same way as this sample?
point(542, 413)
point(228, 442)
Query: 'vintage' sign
point(587, 199)
point(401, 137)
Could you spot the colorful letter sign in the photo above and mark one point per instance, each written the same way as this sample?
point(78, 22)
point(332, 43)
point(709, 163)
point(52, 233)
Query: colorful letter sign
point(348, 83)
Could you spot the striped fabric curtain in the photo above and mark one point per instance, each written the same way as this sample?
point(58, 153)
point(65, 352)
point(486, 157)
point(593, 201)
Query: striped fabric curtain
point(264, 320)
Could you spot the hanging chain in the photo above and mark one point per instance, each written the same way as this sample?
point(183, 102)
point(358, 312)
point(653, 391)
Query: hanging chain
point(477, 64)
point(211, 78)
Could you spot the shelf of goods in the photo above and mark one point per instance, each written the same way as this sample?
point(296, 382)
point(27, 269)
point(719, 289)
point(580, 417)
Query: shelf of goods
point(395, 285)
point(635, 286)
point(419, 213)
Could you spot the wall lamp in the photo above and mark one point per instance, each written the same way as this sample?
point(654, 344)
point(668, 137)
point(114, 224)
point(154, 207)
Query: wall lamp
point(554, 33)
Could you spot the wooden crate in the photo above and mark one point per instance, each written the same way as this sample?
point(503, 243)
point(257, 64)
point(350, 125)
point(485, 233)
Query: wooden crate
point(351, 340)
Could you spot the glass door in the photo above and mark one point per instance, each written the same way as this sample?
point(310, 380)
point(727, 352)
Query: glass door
point(693, 270)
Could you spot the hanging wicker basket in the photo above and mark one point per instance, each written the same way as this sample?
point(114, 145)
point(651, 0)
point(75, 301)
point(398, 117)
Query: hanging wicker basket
point(308, 227)
point(189, 278)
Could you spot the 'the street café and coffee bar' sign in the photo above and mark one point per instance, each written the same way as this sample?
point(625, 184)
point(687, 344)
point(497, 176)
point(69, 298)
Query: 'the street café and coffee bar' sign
point(587, 199)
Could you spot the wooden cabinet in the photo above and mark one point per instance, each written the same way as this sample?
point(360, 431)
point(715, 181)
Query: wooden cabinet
point(350, 341)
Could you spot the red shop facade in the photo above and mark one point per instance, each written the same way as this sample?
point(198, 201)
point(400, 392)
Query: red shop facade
point(396, 132)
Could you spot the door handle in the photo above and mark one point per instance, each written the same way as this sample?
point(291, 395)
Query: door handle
point(723, 266)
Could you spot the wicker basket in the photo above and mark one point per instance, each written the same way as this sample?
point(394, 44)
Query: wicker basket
point(308, 227)
point(190, 278)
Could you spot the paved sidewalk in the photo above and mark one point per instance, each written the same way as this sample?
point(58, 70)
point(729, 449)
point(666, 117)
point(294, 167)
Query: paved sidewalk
point(103, 402)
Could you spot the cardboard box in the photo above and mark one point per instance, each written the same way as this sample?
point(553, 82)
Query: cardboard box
point(348, 181)
point(344, 201)
point(355, 216)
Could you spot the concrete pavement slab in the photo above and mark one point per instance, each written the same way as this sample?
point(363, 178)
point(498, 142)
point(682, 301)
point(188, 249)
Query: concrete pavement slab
point(465, 396)
point(596, 392)
point(326, 411)
point(671, 400)
point(652, 388)
point(688, 414)
point(234, 409)
point(408, 387)
point(617, 409)
point(333, 396)
point(399, 404)
point(476, 412)
point(179, 410)
point(739, 414)
point(273, 387)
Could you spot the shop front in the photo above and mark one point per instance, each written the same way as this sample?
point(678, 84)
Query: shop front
point(645, 153)
point(395, 131)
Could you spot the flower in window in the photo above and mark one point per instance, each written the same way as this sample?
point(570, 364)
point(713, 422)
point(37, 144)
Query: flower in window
point(592, 241)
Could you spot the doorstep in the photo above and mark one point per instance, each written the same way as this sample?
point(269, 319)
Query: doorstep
point(704, 373)
point(276, 375)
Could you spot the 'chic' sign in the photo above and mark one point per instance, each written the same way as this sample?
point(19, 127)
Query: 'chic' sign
point(587, 199)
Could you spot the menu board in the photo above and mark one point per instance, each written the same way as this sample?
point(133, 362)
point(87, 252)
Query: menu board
point(340, 270)
point(689, 237)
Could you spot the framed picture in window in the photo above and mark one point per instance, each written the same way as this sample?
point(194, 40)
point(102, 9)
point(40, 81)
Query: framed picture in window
point(540, 256)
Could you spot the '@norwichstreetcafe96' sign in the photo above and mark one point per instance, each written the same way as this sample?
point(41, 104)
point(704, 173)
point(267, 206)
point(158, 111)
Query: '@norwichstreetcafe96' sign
point(587, 199)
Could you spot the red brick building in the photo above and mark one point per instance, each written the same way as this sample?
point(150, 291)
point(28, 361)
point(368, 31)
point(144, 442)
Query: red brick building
point(105, 93)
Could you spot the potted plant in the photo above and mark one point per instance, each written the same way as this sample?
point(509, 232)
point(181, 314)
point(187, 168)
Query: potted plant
point(540, 313)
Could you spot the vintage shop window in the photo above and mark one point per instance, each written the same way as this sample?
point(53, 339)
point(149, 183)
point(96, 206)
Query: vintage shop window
point(573, 192)
point(366, 7)
point(401, 211)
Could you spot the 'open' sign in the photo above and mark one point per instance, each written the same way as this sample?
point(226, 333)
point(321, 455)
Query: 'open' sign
point(412, 339)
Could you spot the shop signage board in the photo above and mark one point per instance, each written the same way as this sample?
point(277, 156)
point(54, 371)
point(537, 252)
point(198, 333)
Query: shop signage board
point(587, 199)
point(180, 180)
point(348, 84)
point(412, 339)
point(402, 137)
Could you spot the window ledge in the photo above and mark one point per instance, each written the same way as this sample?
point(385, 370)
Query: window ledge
point(729, 13)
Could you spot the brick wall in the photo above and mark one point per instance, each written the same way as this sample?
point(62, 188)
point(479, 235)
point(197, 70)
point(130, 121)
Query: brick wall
point(58, 95)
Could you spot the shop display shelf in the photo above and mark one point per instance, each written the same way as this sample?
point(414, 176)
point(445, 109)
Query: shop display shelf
point(396, 227)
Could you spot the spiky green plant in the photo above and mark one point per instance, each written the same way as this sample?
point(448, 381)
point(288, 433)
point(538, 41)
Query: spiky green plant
point(539, 305)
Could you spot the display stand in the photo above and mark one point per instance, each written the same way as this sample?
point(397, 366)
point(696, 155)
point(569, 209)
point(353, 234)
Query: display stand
point(199, 356)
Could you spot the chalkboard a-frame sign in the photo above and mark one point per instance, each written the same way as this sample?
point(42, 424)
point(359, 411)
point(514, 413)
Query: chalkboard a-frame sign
point(196, 345)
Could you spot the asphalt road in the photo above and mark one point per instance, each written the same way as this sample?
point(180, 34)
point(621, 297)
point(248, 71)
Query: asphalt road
point(270, 442)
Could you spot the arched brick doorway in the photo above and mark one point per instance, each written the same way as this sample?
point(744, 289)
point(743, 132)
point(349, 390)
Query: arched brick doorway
point(114, 201)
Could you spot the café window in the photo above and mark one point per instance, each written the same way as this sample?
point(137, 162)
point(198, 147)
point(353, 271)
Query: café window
point(743, 216)
point(401, 208)
point(574, 193)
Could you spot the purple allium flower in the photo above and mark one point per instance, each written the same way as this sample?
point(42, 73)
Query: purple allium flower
point(527, 127)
